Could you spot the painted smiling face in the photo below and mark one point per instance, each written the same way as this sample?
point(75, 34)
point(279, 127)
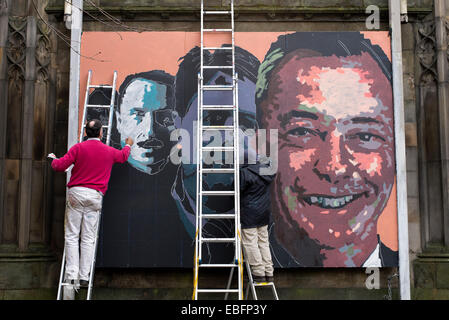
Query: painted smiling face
point(336, 153)
point(144, 116)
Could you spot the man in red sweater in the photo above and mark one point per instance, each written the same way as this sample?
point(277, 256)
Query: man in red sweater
point(88, 183)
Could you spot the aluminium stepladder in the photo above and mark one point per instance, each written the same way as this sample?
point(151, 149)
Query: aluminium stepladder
point(252, 285)
point(200, 240)
point(109, 106)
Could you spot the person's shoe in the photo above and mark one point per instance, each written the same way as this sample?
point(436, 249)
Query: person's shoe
point(84, 283)
point(270, 278)
point(259, 279)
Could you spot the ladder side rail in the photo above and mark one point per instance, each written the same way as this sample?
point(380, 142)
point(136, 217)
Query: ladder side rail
point(276, 297)
point(250, 280)
point(202, 39)
point(228, 287)
point(94, 256)
point(199, 136)
point(200, 164)
point(236, 172)
point(198, 195)
point(233, 38)
point(86, 99)
point(111, 109)
point(61, 275)
point(237, 185)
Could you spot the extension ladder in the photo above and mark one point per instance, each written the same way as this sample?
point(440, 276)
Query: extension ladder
point(69, 286)
point(200, 240)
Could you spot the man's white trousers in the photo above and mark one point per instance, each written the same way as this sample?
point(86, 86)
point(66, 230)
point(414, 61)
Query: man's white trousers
point(82, 213)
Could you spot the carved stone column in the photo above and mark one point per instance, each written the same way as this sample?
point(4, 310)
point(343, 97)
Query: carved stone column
point(428, 135)
point(433, 118)
point(3, 103)
point(27, 126)
point(27, 100)
point(432, 266)
point(441, 24)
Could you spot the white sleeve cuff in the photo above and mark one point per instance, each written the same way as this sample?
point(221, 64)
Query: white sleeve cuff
point(127, 145)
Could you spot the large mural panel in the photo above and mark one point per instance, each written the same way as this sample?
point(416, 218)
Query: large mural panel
point(327, 96)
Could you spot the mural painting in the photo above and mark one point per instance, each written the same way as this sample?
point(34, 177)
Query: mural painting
point(328, 97)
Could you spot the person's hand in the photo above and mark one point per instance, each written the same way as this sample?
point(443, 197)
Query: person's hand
point(129, 141)
point(51, 156)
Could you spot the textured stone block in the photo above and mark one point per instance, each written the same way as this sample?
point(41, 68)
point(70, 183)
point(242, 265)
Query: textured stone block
point(412, 158)
point(379, 3)
point(413, 209)
point(410, 110)
point(412, 184)
point(19, 275)
point(411, 139)
point(424, 274)
point(331, 3)
point(408, 36)
point(442, 275)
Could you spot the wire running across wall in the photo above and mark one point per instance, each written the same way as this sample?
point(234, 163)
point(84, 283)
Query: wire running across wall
point(116, 20)
point(66, 39)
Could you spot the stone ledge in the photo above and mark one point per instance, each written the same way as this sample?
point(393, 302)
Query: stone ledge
point(55, 8)
point(19, 273)
point(100, 293)
point(185, 294)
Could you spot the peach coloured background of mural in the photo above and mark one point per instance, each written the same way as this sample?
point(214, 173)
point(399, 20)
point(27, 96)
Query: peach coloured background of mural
point(133, 52)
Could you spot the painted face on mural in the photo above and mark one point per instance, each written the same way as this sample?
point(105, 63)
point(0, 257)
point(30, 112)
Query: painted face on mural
point(335, 121)
point(144, 117)
point(247, 120)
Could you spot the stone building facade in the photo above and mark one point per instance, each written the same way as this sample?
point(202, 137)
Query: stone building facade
point(34, 91)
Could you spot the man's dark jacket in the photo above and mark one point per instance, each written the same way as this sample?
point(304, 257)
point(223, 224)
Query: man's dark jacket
point(255, 203)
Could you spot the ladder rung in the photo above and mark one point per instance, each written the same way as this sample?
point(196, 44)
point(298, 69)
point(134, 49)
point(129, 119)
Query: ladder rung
point(217, 12)
point(217, 30)
point(218, 290)
point(217, 67)
point(218, 265)
point(218, 170)
point(217, 48)
point(218, 107)
point(67, 284)
point(218, 127)
point(263, 284)
point(218, 193)
point(100, 86)
point(217, 149)
point(98, 106)
point(218, 240)
point(218, 216)
point(217, 88)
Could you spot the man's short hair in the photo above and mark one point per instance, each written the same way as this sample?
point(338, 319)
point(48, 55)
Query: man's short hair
point(186, 80)
point(93, 128)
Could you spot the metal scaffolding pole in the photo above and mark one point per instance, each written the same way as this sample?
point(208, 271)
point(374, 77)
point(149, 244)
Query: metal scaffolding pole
point(76, 30)
point(399, 131)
